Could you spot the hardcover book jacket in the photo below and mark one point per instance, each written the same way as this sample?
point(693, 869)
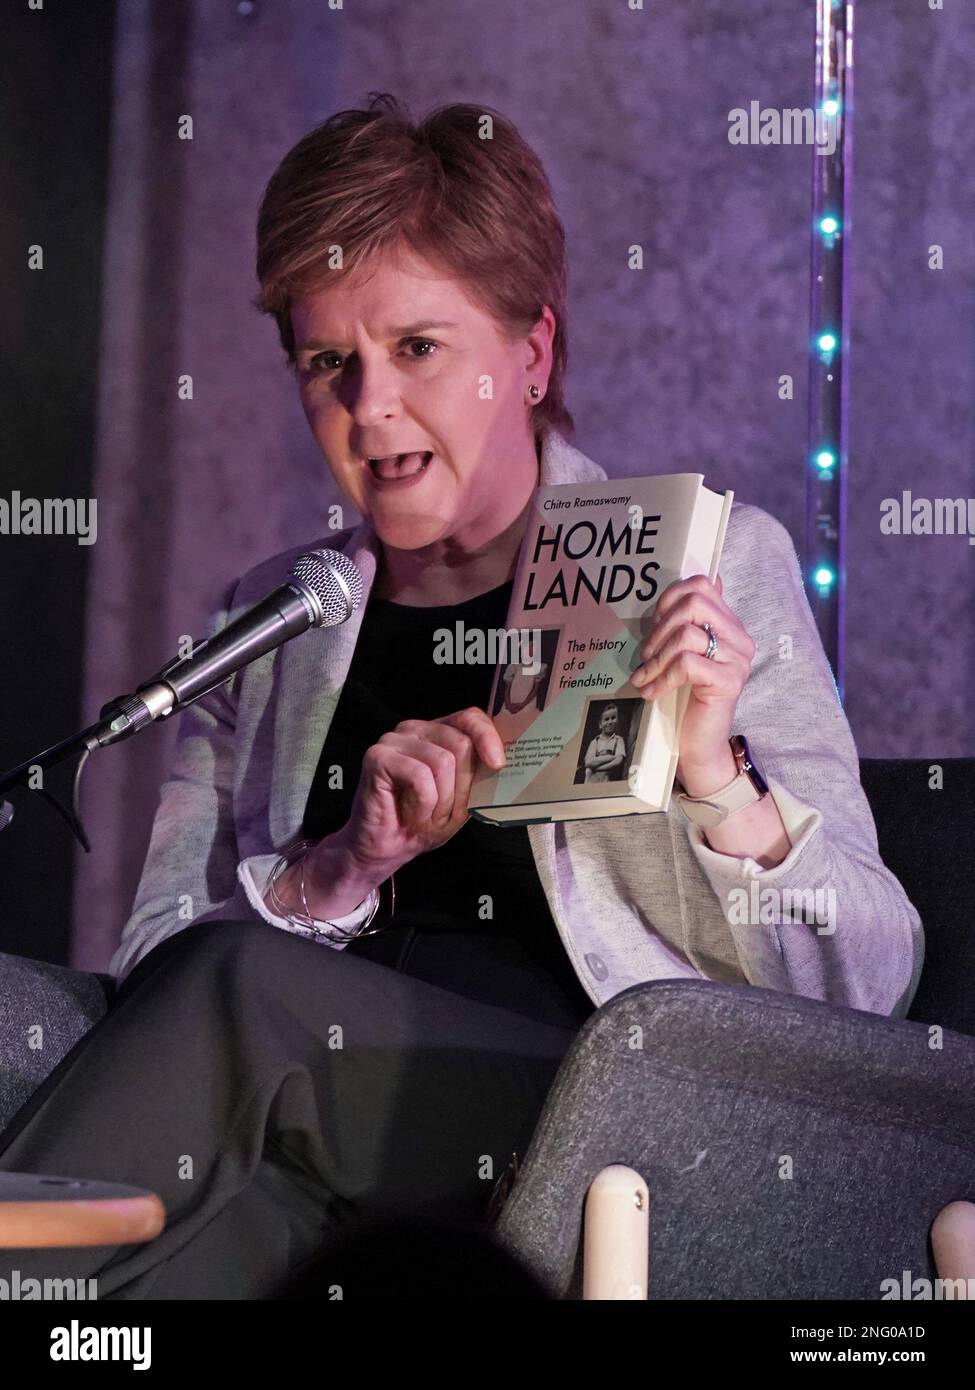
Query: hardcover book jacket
point(579, 738)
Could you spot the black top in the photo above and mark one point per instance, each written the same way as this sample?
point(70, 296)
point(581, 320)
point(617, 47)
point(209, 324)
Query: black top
point(514, 958)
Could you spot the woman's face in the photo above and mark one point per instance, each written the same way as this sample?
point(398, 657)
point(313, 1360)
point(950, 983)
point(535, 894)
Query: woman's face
point(377, 378)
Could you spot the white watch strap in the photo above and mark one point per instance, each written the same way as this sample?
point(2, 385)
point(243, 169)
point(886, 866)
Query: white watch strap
point(712, 810)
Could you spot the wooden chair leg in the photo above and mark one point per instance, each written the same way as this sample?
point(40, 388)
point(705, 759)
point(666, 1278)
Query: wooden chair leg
point(953, 1243)
point(38, 1210)
point(616, 1235)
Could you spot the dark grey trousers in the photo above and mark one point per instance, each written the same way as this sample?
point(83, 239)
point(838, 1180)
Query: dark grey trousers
point(275, 1094)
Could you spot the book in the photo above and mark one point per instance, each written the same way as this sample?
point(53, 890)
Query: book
point(580, 740)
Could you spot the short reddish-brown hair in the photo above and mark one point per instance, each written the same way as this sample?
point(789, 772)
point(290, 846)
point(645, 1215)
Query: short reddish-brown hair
point(480, 208)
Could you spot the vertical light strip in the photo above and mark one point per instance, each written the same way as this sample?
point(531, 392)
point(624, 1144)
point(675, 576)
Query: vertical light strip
point(825, 550)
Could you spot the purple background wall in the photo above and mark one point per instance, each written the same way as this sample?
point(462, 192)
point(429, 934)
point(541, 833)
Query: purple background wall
point(673, 367)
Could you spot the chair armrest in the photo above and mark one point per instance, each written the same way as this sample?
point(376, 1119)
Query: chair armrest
point(44, 1011)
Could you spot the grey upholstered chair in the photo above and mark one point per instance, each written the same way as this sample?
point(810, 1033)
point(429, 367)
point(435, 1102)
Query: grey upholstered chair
point(45, 1012)
point(789, 1149)
point(786, 1148)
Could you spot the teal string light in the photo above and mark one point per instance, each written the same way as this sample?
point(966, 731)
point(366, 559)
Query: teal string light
point(824, 567)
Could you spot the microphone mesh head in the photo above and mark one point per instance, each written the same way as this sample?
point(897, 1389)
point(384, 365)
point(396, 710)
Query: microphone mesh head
point(335, 582)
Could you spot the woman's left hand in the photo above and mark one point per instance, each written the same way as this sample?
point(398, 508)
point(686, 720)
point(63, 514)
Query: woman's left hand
point(673, 654)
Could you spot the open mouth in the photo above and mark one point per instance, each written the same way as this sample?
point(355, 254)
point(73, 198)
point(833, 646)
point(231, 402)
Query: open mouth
point(395, 468)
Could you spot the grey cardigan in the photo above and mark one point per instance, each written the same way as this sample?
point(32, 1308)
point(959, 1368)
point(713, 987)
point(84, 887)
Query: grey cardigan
point(634, 898)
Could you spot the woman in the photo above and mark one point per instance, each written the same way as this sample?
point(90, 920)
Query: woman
point(289, 1052)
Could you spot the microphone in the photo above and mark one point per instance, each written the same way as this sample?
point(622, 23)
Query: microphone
point(323, 590)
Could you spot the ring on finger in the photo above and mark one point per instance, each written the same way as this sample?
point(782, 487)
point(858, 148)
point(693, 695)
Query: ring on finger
point(712, 641)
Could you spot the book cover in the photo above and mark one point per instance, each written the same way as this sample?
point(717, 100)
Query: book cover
point(580, 740)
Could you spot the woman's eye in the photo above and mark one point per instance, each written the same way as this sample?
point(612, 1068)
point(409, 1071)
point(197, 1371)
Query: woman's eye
point(423, 342)
point(324, 362)
point(313, 362)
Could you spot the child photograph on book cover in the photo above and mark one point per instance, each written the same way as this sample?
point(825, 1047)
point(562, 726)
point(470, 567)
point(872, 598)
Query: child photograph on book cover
point(521, 685)
point(609, 752)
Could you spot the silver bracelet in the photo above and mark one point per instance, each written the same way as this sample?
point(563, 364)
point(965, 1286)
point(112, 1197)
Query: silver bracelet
point(316, 925)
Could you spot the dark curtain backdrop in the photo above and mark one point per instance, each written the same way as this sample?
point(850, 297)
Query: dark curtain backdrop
point(55, 119)
point(674, 367)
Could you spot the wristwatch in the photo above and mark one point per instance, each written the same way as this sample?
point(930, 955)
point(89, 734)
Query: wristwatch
point(748, 786)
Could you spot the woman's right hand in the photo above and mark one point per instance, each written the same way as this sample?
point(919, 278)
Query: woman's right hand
point(412, 797)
